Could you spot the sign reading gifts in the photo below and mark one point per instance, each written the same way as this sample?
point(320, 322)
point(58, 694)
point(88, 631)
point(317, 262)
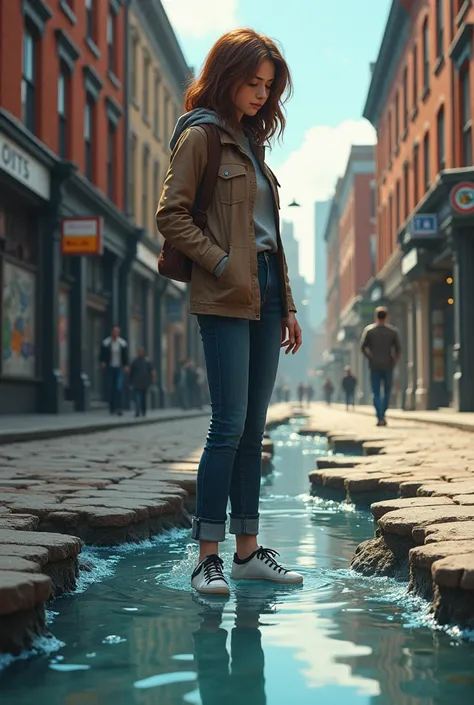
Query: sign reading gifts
point(82, 236)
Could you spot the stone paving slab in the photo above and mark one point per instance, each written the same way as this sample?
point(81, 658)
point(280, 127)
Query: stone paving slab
point(22, 591)
point(379, 509)
point(455, 572)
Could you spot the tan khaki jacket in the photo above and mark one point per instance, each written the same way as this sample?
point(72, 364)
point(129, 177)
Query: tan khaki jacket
point(229, 229)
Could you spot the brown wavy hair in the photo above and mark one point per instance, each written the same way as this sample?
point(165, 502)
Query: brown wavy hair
point(232, 61)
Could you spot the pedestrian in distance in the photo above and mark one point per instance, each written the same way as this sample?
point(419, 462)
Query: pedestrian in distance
point(300, 391)
point(114, 359)
point(380, 344)
point(328, 391)
point(240, 289)
point(142, 376)
point(349, 384)
point(309, 393)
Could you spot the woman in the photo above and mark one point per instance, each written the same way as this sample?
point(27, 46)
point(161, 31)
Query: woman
point(239, 290)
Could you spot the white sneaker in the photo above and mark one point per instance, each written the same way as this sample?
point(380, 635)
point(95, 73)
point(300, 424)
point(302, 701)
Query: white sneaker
point(208, 577)
point(261, 565)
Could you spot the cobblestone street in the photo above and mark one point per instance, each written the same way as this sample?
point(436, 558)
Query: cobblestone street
point(130, 483)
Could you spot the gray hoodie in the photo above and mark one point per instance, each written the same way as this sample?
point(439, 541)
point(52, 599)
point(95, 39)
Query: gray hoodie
point(263, 214)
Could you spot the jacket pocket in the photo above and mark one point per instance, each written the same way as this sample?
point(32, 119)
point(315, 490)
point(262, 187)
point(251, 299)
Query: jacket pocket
point(234, 285)
point(231, 184)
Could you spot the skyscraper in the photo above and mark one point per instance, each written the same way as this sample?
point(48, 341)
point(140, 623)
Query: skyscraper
point(317, 312)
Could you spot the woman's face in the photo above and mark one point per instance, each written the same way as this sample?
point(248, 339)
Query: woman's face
point(253, 94)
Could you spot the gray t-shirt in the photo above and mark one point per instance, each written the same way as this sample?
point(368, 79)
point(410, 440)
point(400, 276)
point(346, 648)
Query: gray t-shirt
point(263, 212)
point(383, 344)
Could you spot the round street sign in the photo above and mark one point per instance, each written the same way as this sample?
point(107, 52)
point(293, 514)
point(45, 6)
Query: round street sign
point(462, 198)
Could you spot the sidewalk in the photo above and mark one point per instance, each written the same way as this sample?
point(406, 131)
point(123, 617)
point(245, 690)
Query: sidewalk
point(32, 427)
point(455, 419)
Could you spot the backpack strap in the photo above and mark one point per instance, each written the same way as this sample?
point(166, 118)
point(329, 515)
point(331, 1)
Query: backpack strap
point(208, 184)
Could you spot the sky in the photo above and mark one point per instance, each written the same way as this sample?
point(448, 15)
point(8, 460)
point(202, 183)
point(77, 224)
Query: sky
point(329, 47)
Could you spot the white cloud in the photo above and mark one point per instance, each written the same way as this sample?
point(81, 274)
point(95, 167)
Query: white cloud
point(309, 174)
point(197, 19)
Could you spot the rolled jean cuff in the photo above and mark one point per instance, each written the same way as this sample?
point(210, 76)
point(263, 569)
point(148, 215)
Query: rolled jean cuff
point(203, 530)
point(244, 526)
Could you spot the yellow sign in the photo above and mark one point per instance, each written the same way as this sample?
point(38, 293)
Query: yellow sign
point(82, 236)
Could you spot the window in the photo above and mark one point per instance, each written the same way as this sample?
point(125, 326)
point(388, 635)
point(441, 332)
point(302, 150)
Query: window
point(145, 165)
point(111, 132)
point(426, 161)
point(405, 101)
point(390, 213)
point(416, 166)
point(156, 184)
point(146, 80)
point(441, 141)
point(426, 57)
point(373, 253)
point(132, 176)
point(156, 107)
point(415, 76)
point(133, 66)
point(89, 136)
point(389, 139)
point(111, 34)
point(167, 118)
point(397, 120)
point(439, 27)
point(466, 123)
point(63, 83)
point(397, 205)
point(406, 195)
point(90, 29)
point(372, 200)
point(28, 81)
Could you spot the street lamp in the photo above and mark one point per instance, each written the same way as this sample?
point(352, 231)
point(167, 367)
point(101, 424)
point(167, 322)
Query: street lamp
point(294, 204)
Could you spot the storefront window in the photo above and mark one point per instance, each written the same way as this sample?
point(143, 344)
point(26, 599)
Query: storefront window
point(18, 290)
point(18, 321)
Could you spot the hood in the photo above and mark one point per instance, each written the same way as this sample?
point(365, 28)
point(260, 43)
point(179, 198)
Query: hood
point(198, 116)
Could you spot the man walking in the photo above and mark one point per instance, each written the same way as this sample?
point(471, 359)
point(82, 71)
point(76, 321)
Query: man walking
point(348, 384)
point(142, 376)
point(114, 359)
point(380, 344)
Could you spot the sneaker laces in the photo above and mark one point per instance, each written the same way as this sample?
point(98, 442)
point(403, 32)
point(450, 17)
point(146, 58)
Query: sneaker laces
point(268, 555)
point(213, 569)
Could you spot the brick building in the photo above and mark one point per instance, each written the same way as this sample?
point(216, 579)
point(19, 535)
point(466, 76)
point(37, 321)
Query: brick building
point(66, 86)
point(350, 237)
point(420, 102)
point(158, 76)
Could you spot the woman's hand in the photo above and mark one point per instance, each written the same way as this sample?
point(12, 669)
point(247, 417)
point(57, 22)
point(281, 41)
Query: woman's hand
point(291, 334)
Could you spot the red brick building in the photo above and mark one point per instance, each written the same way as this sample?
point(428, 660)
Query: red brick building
point(62, 154)
point(420, 101)
point(350, 238)
point(65, 81)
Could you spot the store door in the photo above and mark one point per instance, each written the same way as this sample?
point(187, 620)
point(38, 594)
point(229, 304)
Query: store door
point(95, 336)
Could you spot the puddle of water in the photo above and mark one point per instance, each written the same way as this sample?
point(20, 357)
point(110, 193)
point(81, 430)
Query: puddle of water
point(136, 635)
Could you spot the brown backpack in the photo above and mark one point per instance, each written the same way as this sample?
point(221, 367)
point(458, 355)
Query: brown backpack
point(172, 263)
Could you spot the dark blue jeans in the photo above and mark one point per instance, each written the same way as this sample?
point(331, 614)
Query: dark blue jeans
point(140, 401)
point(381, 403)
point(242, 361)
point(115, 389)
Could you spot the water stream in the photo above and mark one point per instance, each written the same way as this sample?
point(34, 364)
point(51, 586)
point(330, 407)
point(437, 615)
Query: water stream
point(136, 635)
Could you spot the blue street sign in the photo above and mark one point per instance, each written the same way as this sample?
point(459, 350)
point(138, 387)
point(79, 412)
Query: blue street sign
point(424, 225)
